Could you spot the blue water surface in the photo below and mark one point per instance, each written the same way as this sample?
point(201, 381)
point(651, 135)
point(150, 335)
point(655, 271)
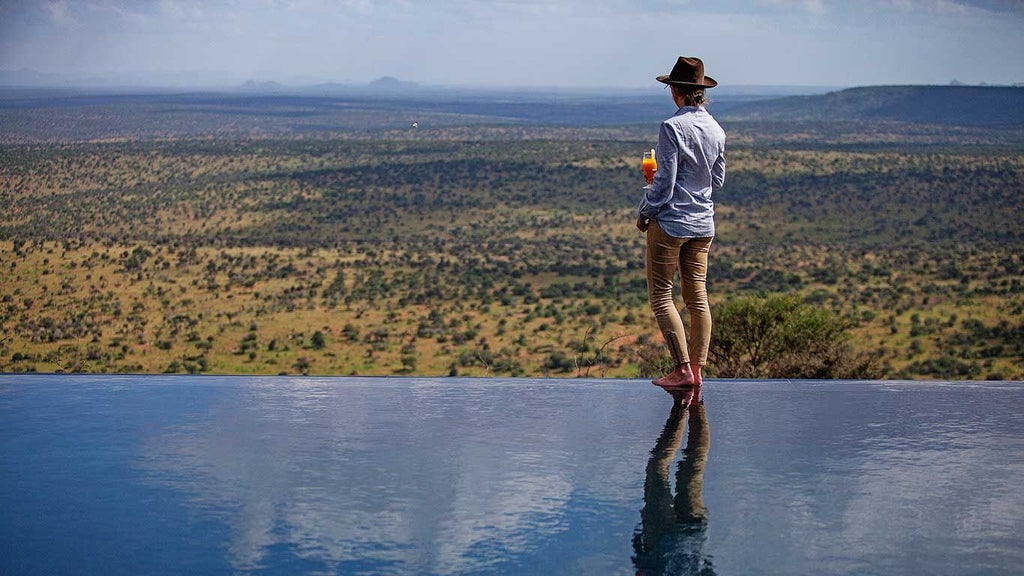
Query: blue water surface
point(285, 475)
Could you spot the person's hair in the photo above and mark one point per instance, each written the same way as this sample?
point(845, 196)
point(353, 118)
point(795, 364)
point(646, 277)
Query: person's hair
point(691, 96)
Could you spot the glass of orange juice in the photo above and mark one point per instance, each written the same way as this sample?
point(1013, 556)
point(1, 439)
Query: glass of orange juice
point(649, 166)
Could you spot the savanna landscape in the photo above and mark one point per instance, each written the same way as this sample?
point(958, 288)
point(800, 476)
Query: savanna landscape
point(328, 235)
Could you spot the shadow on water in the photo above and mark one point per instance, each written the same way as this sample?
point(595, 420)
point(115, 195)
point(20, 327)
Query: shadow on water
point(673, 529)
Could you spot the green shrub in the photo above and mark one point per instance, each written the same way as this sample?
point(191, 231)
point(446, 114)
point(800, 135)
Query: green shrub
point(779, 337)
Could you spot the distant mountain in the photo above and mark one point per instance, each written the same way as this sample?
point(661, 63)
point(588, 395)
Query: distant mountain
point(963, 105)
point(391, 83)
point(262, 86)
point(386, 84)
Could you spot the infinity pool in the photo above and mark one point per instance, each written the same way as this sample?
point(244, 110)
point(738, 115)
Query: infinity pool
point(279, 475)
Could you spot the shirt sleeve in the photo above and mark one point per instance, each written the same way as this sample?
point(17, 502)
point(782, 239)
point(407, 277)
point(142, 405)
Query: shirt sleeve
point(660, 191)
point(718, 170)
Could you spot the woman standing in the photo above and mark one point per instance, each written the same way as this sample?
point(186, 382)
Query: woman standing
point(677, 214)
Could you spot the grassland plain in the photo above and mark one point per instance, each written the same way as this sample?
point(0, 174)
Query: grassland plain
point(493, 249)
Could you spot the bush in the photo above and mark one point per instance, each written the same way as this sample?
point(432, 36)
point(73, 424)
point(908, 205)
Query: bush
point(779, 337)
point(319, 341)
point(653, 359)
point(558, 361)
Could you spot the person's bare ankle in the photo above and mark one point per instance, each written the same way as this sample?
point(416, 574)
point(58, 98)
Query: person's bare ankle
point(695, 370)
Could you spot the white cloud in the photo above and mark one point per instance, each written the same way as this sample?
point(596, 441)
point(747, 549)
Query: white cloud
point(448, 481)
point(813, 6)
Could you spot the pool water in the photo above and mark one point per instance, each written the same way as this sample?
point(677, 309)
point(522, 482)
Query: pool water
point(283, 475)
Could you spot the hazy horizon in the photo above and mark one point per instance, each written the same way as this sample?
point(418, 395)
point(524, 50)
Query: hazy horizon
point(143, 81)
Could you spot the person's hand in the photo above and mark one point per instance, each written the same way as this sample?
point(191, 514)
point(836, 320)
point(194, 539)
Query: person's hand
point(642, 224)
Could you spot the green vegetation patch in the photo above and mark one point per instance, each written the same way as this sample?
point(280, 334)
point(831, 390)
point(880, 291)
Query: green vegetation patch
point(448, 256)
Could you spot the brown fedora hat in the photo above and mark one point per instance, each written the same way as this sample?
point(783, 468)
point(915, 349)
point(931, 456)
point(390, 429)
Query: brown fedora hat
point(688, 72)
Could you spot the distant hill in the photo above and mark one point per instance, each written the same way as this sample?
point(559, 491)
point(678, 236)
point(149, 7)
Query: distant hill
point(391, 83)
point(262, 86)
point(959, 105)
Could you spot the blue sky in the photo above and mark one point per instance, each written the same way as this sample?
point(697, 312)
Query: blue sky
point(571, 43)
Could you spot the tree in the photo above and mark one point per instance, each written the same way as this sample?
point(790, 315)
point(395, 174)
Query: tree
point(318, 341)
point(779, 337)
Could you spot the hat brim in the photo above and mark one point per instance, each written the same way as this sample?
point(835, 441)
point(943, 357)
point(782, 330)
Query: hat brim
point(709, 82)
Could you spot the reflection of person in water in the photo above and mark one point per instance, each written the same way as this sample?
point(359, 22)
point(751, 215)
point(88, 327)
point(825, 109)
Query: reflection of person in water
point(672, 531)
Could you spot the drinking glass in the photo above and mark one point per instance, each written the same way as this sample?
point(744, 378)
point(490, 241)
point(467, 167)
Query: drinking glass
point(649, 166)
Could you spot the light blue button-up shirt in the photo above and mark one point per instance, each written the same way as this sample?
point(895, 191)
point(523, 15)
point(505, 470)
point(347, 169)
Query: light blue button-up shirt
point(691, 165)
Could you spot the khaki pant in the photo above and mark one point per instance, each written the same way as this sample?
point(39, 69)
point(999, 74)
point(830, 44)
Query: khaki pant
point(666, 254)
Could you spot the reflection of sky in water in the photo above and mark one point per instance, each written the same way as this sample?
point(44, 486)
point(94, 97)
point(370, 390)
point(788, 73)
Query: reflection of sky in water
point(413, 474)
point(453, 476)
point(871, 479)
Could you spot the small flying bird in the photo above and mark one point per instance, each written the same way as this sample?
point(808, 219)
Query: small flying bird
point(415, 124)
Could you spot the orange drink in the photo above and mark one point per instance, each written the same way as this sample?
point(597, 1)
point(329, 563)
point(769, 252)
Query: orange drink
point(649, 165)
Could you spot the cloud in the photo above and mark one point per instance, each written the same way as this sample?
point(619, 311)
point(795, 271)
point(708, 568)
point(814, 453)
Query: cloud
point(1012, 7)
point(813, 6)
point(411, 479)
